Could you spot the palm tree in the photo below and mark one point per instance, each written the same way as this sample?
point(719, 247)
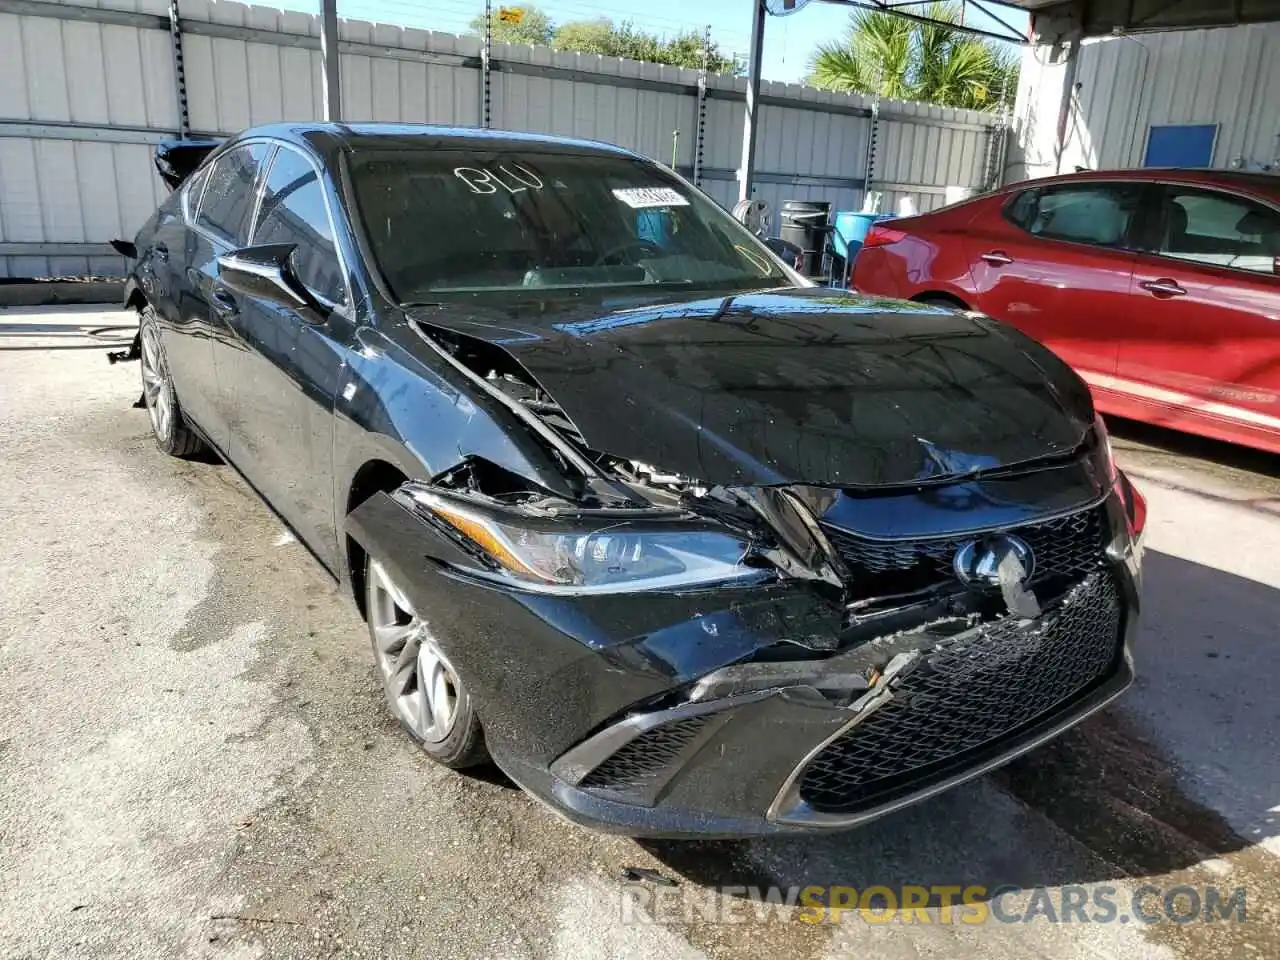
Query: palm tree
point(908, 60)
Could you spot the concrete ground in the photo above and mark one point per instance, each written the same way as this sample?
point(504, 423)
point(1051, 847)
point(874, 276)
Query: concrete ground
point(195, 759)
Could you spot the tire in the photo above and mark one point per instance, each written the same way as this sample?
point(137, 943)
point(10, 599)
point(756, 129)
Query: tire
point(172, 432)
point(942, 302)
point(423, 691)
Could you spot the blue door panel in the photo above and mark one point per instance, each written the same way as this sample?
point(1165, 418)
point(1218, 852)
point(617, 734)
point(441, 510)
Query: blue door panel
point(1181, 145)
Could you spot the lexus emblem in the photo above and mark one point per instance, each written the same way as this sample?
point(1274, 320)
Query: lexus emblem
point(996, 561)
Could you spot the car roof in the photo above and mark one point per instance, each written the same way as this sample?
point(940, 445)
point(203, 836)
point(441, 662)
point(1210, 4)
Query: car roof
point(1257, 183)
point(326, 136)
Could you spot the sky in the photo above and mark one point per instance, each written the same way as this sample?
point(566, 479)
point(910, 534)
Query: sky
point(789, 41)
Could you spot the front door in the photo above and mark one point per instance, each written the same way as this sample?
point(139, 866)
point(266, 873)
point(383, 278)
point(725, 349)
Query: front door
point(280, 368)
point(1205, 335)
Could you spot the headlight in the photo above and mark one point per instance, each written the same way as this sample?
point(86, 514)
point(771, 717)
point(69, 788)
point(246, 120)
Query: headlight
point(596, 554)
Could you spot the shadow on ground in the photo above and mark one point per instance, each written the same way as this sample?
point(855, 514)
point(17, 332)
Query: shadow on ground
point(1176, 446)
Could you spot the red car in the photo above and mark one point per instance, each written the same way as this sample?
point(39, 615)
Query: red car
point(1161, 287)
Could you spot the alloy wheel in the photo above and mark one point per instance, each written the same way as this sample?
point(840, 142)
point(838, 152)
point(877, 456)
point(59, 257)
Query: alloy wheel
point(155, 384)
point(421, 686)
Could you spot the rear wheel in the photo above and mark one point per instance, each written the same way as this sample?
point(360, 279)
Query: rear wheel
point(422, 688)
point(169, 426)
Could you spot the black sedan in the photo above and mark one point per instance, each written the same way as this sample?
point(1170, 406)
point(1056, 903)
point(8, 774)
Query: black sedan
point(684, 544)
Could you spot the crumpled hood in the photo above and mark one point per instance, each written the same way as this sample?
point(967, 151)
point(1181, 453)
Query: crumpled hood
point(796, 386)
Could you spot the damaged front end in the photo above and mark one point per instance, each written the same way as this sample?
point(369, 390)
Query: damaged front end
point(663, 655)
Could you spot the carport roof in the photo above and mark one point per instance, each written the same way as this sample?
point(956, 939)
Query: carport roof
point(1058, 19)
point(1055, 20)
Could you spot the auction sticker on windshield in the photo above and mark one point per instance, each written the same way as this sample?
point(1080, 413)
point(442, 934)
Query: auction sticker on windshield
point(641, 198)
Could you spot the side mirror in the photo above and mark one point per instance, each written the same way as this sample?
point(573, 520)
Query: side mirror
point(266, 272)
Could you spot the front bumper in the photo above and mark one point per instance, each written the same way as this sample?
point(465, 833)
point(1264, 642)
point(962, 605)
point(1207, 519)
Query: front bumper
point(646, 714)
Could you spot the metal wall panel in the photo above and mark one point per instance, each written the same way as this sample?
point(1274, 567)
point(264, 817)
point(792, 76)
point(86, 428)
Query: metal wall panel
point(1125, 85)
point(100, 93)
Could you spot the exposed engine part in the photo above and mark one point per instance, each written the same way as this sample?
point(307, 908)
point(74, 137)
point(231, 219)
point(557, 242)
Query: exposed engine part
point(807, 553)
point(537, 400)
point(486, 479)
point(469, 357)
point(649, 476)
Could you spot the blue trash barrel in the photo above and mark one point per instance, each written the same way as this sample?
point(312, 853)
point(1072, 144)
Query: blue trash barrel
point(851, 229)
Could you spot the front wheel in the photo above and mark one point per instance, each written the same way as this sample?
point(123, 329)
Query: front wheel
point(422, 688)
point(169, 426)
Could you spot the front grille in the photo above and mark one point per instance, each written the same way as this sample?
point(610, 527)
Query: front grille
point(966, 694)
point(1067, 547)
point(636, 763)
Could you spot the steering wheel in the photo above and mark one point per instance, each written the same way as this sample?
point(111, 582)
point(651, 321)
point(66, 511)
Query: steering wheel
point(646, 248)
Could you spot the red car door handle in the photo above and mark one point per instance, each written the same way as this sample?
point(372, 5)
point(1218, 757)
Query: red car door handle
point(1164, 287)
point(997, 258)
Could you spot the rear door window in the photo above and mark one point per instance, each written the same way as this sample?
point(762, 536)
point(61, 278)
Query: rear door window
point(1100, 214)
point(227, 203)
point(1219, 229)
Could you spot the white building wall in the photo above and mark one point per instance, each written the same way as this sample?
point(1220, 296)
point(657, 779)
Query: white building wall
point(1125, 85)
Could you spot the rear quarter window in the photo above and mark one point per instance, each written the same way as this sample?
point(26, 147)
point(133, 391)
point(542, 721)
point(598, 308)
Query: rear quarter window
point(191, 191)
point(1099, 214)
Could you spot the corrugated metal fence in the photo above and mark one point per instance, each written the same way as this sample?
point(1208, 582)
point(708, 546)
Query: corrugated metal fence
point(86, 90)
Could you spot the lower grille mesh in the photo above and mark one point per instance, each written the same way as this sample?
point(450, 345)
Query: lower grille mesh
point(967, 693)
point(638, 761)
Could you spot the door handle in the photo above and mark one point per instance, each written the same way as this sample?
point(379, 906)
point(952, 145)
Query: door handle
point(161, 252)
point(997, 258)
point(223, 303)
point(1163, 287)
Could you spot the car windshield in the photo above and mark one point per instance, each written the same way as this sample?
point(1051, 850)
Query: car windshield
point(482, 221)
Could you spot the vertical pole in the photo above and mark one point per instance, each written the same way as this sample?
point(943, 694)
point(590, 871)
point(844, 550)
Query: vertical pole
point(331, 84)
point(748, 168)
point(486, 110)
point(1002, 144)
point(1064, 105)
point(700, 143)
point(873, 133)
point(179, 70)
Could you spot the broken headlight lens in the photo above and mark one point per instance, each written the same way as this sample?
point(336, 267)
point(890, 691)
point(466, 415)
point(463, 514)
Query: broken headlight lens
point(602, 554)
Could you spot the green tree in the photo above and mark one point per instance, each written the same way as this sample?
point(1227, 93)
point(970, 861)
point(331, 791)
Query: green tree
point(685, 50)
point(909, 60)
point(535, 27)
point(602, 37)
point(608, 39)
